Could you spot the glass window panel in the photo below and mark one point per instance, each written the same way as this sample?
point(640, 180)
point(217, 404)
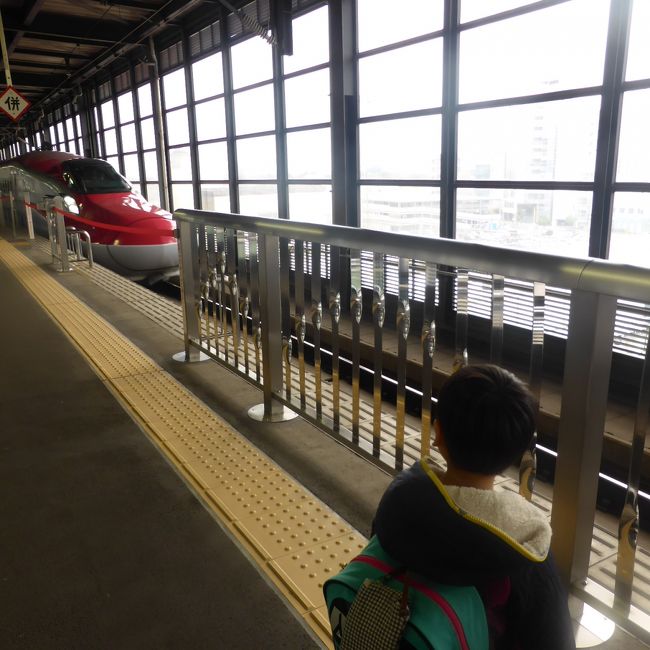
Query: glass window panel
point(80, 147)
point(213, 161)
point(182, 196)
point(180, 164)
point(258, 200)
point(52, 135)
point(144, 100)
point(535, 220)
point(638, 56)
point(150, 166)
point(207, 77)
point(309, 154)
point(148, 134)
point(256, 158)
point(551, 49)
point(630, 240)
point(473, 9)
point(174, 89)
point(131, 168)
point(108, 114)
point(129, 142)
point(311, 203)
point(211, 120)
point(385, 88)
point(60, 131)
point(254, 110)
point(310, 41)
point(110, 140)
point(114, 162)
point(153, 193)
point(634, 145)
point(78, 122)
point(307, 98)
point(401, 149)
point(178, 130)
point(382, 21)
point(125, 107)
point(405, 210)
point(69, 125)
point(251, 62)
point(544, 141)
point(215, 197)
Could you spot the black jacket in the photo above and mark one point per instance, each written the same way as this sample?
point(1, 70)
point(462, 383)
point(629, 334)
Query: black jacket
point(497, 541)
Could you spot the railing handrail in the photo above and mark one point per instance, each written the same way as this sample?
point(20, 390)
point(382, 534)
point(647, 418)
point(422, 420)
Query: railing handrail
point(584, 273)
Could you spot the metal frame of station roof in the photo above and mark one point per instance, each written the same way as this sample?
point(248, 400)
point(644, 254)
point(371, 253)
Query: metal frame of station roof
point(55, 46)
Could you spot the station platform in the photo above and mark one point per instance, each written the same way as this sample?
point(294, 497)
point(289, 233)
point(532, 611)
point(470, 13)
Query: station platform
point(143, 508)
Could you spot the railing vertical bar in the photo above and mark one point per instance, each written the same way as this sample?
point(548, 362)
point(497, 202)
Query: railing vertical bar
point(461, 357)
point(356, 309)
point(378, 317)
point(300, 319)
point(628, 527)
point(211, 246)
point(316, 320)
point(233, 285)
point(403, 327)
point(334, 304)
point(204, 304)
point(496, 337)
point(428, 342)
point(221, 262)
point(243, 244)
point(255, 302)
point(528, 466)
point(285, 301)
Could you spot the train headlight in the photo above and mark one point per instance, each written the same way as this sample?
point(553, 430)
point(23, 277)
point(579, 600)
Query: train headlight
point(70, 204)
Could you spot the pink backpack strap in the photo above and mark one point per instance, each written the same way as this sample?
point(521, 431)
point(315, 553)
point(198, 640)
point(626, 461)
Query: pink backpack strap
point(424, 590)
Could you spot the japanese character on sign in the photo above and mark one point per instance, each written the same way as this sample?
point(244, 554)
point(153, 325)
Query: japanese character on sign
point(13, 104)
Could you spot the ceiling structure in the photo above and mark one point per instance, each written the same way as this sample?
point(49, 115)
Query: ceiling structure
point(55, 45)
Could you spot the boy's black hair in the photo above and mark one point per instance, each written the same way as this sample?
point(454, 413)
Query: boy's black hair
point(487, 418)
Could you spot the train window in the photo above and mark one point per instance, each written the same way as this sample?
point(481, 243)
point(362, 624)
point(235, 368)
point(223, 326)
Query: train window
point(207, 77)
point(577, 30)
point(307, 98)
point(144, 100)
point(95, 177)
point(310, 41)
point(384, 88)
point(380, 23)
point(638, 58)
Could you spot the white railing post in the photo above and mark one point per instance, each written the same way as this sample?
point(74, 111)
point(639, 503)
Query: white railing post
point(580, 438)
point(188, 266)
point(271, 328)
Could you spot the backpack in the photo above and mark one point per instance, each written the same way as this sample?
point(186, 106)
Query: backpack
point(374, 603)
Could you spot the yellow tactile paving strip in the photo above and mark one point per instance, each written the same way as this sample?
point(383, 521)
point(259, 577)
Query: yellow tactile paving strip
point(294, 538)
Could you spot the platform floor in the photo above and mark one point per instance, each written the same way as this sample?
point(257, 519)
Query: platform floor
point(107, 544)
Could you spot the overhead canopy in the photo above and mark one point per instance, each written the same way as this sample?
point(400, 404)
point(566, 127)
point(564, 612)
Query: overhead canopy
point(56, 45)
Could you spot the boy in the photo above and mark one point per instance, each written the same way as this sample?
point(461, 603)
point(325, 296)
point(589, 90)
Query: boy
point(453, 528)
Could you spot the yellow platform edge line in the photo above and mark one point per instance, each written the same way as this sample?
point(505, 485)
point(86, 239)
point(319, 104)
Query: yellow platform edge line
point(297, 570)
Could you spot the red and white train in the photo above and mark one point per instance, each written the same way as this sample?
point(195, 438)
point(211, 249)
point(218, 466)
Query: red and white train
point(129, 235)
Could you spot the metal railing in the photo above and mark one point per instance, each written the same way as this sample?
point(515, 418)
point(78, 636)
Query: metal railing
point(65, 239)
point(250, 285)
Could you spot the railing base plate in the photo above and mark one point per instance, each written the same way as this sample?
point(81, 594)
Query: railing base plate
point(183, 358)
point(279, 413)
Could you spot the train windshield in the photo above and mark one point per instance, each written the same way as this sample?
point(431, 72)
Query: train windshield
point(93, 177)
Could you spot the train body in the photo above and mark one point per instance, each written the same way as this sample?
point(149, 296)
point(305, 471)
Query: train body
point(129, 235)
